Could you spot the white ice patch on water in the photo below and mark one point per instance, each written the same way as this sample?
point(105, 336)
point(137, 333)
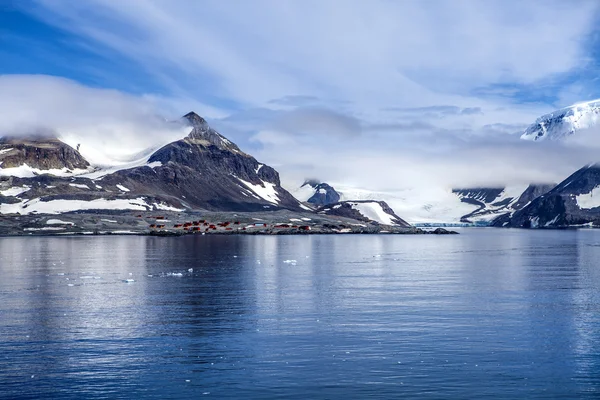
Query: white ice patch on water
point(589, 200)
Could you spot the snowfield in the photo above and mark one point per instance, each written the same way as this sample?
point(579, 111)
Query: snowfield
point(266, 192)
point(14, 191)
point(25, 171)
point(36, 206)
point(374, 212)
point(589, 200)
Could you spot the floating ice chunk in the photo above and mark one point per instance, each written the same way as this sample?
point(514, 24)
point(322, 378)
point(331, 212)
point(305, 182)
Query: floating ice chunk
point(289, 261)
point(129, 280)
point(70, 284)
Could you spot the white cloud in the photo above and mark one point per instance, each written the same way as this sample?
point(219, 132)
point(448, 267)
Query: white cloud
point(111, 126)
point(376, 94)
point(373, 53)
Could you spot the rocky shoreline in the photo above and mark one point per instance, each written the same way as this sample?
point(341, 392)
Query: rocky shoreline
point(168, 223)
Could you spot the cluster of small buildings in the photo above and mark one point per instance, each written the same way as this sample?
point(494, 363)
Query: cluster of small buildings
point(205, 226)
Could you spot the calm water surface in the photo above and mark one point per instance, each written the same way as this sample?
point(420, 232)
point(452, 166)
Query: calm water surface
point(485, 314)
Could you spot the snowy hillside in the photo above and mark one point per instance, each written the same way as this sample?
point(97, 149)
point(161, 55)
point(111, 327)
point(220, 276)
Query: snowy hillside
point(425, 205)
point(365, 210)
point(564, 122)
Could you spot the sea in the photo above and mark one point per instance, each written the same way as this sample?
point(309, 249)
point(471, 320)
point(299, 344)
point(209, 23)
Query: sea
point(487, 314)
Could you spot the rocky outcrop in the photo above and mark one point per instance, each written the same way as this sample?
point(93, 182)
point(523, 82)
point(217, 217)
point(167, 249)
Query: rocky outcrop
point(324, 193)
point(495, 203)
point(40, 153)
point(574, 202)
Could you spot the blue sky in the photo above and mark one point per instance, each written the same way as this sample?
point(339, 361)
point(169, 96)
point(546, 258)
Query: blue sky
point(380, 77)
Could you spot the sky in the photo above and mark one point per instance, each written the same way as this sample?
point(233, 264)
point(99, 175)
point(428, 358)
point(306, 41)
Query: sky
point(374, 94)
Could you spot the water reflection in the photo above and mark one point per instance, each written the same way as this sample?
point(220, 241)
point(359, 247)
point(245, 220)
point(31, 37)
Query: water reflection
point(489, 313)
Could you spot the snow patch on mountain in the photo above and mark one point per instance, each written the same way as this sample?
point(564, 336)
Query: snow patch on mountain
point(589, 200)
point(14, 191)
point(38, 206)
point(374, 212)
point(25, 171)
point(266, 192)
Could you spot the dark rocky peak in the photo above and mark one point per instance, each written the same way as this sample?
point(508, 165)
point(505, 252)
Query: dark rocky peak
point(195, 120)
point(204, 135)
point(532, 192)
point(324, 194)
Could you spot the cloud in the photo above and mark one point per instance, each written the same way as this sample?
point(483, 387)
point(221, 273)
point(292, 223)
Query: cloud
point(377, 94)
point(390, 53)
point(112, 125)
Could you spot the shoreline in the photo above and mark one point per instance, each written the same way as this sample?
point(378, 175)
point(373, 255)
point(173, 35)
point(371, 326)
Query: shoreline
point(170, 224)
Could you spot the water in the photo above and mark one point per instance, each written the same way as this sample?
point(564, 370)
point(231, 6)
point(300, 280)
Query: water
point(490, 313)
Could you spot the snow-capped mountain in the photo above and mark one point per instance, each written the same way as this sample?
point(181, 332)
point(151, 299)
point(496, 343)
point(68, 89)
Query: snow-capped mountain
point(562, 123)
point(204, 170)
point(365, 210)
point(317, 193)
point(574, 202)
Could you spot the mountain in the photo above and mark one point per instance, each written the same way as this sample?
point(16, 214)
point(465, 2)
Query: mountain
point(493, 203)
point(39, 154)
point(318, 193)
point(201, 171)
point(365, 210)
point(573, 202)
point(564, 122)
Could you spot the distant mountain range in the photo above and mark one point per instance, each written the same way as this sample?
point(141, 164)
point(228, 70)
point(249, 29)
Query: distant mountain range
point(40, 174)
